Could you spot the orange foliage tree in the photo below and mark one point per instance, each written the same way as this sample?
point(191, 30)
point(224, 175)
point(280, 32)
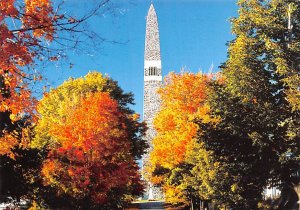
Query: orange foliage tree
point(92, 157)
point(19, 49)
point(26, 29)
point(183, 102)
point(93, 140)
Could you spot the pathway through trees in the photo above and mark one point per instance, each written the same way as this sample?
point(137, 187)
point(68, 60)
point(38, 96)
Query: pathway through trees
point(157, 205)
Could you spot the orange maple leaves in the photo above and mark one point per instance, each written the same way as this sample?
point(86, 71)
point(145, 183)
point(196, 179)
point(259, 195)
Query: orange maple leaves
point(92, 154)
point(178, 143)
point(39, 14)
point(183, 101)
point(7, 9)
point(96, 123)
point(19, 47)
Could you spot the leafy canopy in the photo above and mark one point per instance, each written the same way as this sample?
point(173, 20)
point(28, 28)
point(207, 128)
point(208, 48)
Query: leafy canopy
point(179, 161)
point(93, 140)
point(19, 48)
point(91, 157)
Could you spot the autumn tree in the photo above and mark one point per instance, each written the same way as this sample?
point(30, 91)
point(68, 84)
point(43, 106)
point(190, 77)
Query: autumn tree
point(15, 95)
point(256, 141)
point(32, 33)
point(183, 101)
point(93, 139)
point(16, 103)
point(27, 28)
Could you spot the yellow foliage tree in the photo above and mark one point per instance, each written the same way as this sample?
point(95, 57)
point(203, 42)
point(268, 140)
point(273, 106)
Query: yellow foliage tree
point(183, 101)
point(176, 151)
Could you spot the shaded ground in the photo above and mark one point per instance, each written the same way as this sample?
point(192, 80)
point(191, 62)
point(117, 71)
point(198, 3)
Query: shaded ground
point(158, 205)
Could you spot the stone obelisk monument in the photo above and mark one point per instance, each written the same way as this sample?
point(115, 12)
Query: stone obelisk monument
point(152, 81)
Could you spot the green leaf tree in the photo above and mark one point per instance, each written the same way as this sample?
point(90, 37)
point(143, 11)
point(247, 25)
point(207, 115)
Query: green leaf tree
point(257, 140)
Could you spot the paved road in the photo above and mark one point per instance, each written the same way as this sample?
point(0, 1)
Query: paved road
point(158, 205)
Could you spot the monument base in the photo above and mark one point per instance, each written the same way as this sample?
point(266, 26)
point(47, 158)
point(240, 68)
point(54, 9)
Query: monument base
point(153, 193)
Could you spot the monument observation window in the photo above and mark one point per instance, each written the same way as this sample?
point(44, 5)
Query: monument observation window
point(153, 71)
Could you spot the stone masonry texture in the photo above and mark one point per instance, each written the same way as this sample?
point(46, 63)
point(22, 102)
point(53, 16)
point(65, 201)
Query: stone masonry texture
point(151, 97)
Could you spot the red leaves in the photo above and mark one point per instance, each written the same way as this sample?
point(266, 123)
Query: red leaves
point(39, 14)
point(7, 9)
point(19, 48)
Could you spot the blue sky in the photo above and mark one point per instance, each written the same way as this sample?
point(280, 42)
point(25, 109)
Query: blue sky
point(193, 35)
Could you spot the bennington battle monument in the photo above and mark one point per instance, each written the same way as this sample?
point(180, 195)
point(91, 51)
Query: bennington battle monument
point(152, 81)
